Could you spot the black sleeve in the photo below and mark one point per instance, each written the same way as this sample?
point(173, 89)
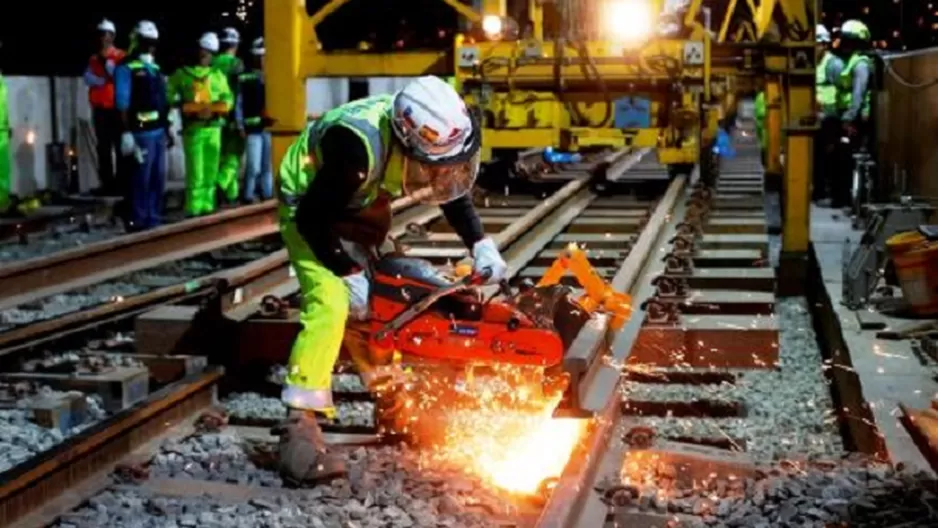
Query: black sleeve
point(462, 215)
point(345, 165)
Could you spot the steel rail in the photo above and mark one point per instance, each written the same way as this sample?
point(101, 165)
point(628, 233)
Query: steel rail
point(23, 338)
point(109, 259)
point(567, 498)
point(28, 486)
point(16, 227)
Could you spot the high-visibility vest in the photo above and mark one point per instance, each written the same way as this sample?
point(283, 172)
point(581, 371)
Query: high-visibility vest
point(147, 96)
point(253, 100)
point(370, 120)
point(103, 96)
point(845, 85)
point(826, 91)
point(759, 112)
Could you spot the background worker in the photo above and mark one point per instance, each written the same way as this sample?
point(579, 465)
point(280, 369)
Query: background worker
point(5, 134)
point(828, 143)
point(204, 97)
point(99, 76)
point(853, 101)
point(252, 122)
point(758, 115)
point(336, 185)
point(232, 142)
point(140, 97)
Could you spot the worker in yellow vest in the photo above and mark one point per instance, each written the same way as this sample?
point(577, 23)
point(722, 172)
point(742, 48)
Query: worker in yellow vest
point(853, 101)
point(827, 142)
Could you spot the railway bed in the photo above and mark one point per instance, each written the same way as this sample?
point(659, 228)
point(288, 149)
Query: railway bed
point(179, 371)
point(722, 414)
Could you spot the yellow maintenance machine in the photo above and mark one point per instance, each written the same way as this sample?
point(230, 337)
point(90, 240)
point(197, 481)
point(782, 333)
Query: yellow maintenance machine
point(579, 75)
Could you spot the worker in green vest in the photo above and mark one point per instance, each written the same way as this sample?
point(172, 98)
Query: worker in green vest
point(204, 97)
point(335, 190)
point(232, 142)
point(827, 142)
point(853, 100)
point(758, 115)
point(5, 134)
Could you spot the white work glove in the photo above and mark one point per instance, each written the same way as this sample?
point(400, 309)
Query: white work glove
point(485, 255)
point(127, 144)
point(357, 285)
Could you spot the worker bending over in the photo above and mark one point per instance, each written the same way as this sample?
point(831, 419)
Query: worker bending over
point(205, 100)
point(232, 143)
point(853, 102)
point(6, 133)
point(336, 185)
point(140, 97)
point(252, 122)
point(828, 144)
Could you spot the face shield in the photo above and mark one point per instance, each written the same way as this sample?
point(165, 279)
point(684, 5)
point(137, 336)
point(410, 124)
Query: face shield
point(440, 178)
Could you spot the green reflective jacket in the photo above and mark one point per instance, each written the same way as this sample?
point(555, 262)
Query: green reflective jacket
point(759, 117)
point(202, 85)
point(369, 119)
point(826, 96)
point(845, 85)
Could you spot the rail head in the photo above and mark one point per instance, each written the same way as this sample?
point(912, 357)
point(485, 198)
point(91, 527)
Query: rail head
point(566, 500)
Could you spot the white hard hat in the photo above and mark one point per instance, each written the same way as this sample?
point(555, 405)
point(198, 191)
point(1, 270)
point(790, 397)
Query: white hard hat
point(441, 140)
point(257, 47)
point(106, 25)
point(230, 35)
point(209, 42)
point(147, 29)
point(821, 34)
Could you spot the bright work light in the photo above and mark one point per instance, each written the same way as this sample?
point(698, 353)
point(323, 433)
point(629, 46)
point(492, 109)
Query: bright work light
point(492, 26)
point(629, 21)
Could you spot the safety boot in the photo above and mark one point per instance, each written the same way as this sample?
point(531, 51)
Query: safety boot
point(304, 458)
point(376, 374)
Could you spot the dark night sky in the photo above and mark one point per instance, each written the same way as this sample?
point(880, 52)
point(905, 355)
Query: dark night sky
point(46, 38)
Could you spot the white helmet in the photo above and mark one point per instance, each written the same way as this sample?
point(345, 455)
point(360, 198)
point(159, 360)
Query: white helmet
point(230, 35)
point(441, 140)
point(209, 42)
point(147, 29)
point(821, 34)
point(257, 47)
point(106, 26)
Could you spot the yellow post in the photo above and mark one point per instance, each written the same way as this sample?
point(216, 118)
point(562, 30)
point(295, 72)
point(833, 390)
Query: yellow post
point(773, 125)
point(801, 123)
point(799, 157)
point(494, 7)
point(536, 14)
point(286, 88)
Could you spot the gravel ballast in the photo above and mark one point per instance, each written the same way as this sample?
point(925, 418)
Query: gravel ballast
point(386, 487)
point(840, 493)
point(788, 410)
point(21, 439)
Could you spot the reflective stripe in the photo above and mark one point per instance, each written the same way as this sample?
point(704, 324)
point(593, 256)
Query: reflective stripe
point(308, 399)
point(147, 117)
point(251, 121)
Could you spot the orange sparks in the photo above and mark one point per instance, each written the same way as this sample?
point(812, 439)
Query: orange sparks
point(510, 449)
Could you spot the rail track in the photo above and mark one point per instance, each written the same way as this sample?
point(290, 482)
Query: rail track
point(89, 347)
point(698, 264)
